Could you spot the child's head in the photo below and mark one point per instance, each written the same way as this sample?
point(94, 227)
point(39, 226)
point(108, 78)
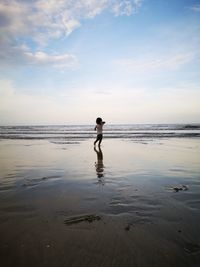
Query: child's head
point(98, 120)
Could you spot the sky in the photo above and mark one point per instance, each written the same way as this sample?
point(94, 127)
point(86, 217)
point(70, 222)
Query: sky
point(127, 61)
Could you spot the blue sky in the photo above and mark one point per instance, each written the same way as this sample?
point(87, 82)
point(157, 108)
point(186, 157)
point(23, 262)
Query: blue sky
point(70, 61)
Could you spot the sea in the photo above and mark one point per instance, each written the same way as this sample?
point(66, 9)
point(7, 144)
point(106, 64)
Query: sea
point(82, 132)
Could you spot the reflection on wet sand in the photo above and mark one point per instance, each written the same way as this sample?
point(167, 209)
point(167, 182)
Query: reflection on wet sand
point(141, 209)
point(99, 165)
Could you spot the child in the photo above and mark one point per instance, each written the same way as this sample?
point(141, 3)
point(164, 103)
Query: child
point(99, 128)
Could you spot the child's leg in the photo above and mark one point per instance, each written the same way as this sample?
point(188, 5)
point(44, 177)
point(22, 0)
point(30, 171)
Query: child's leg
point(97, 139)
point(100, 140)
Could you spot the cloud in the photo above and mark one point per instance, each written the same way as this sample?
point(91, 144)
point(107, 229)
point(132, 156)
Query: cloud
point(22, 56)
point(195, 8)
point(127, 8)
point(35, 23)
point(61, 61)
point(172, 62)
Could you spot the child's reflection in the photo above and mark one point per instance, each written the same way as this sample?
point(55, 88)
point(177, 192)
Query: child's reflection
point(99, 165)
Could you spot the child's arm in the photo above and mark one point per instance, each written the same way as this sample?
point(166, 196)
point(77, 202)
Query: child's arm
point(103, 122)
point(95, 128)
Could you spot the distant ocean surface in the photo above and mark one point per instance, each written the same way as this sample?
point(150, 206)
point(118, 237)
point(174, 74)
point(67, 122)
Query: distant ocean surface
point(81, 132)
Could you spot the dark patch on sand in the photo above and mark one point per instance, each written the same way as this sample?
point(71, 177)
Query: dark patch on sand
point(180, 188)
point(192, 248)
point(6, 187)
point(36, 181)
point(82, 218)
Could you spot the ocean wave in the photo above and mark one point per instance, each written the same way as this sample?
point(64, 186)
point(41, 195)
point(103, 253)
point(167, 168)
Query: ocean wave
point(65, 132)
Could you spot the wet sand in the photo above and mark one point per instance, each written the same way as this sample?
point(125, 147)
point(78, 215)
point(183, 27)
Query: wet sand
point(66, 204)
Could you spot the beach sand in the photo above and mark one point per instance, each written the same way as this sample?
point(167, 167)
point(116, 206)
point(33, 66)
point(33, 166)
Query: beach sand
point(132, 203)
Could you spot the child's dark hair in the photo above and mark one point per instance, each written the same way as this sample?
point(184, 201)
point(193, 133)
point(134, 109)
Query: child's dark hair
point(98, 120)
